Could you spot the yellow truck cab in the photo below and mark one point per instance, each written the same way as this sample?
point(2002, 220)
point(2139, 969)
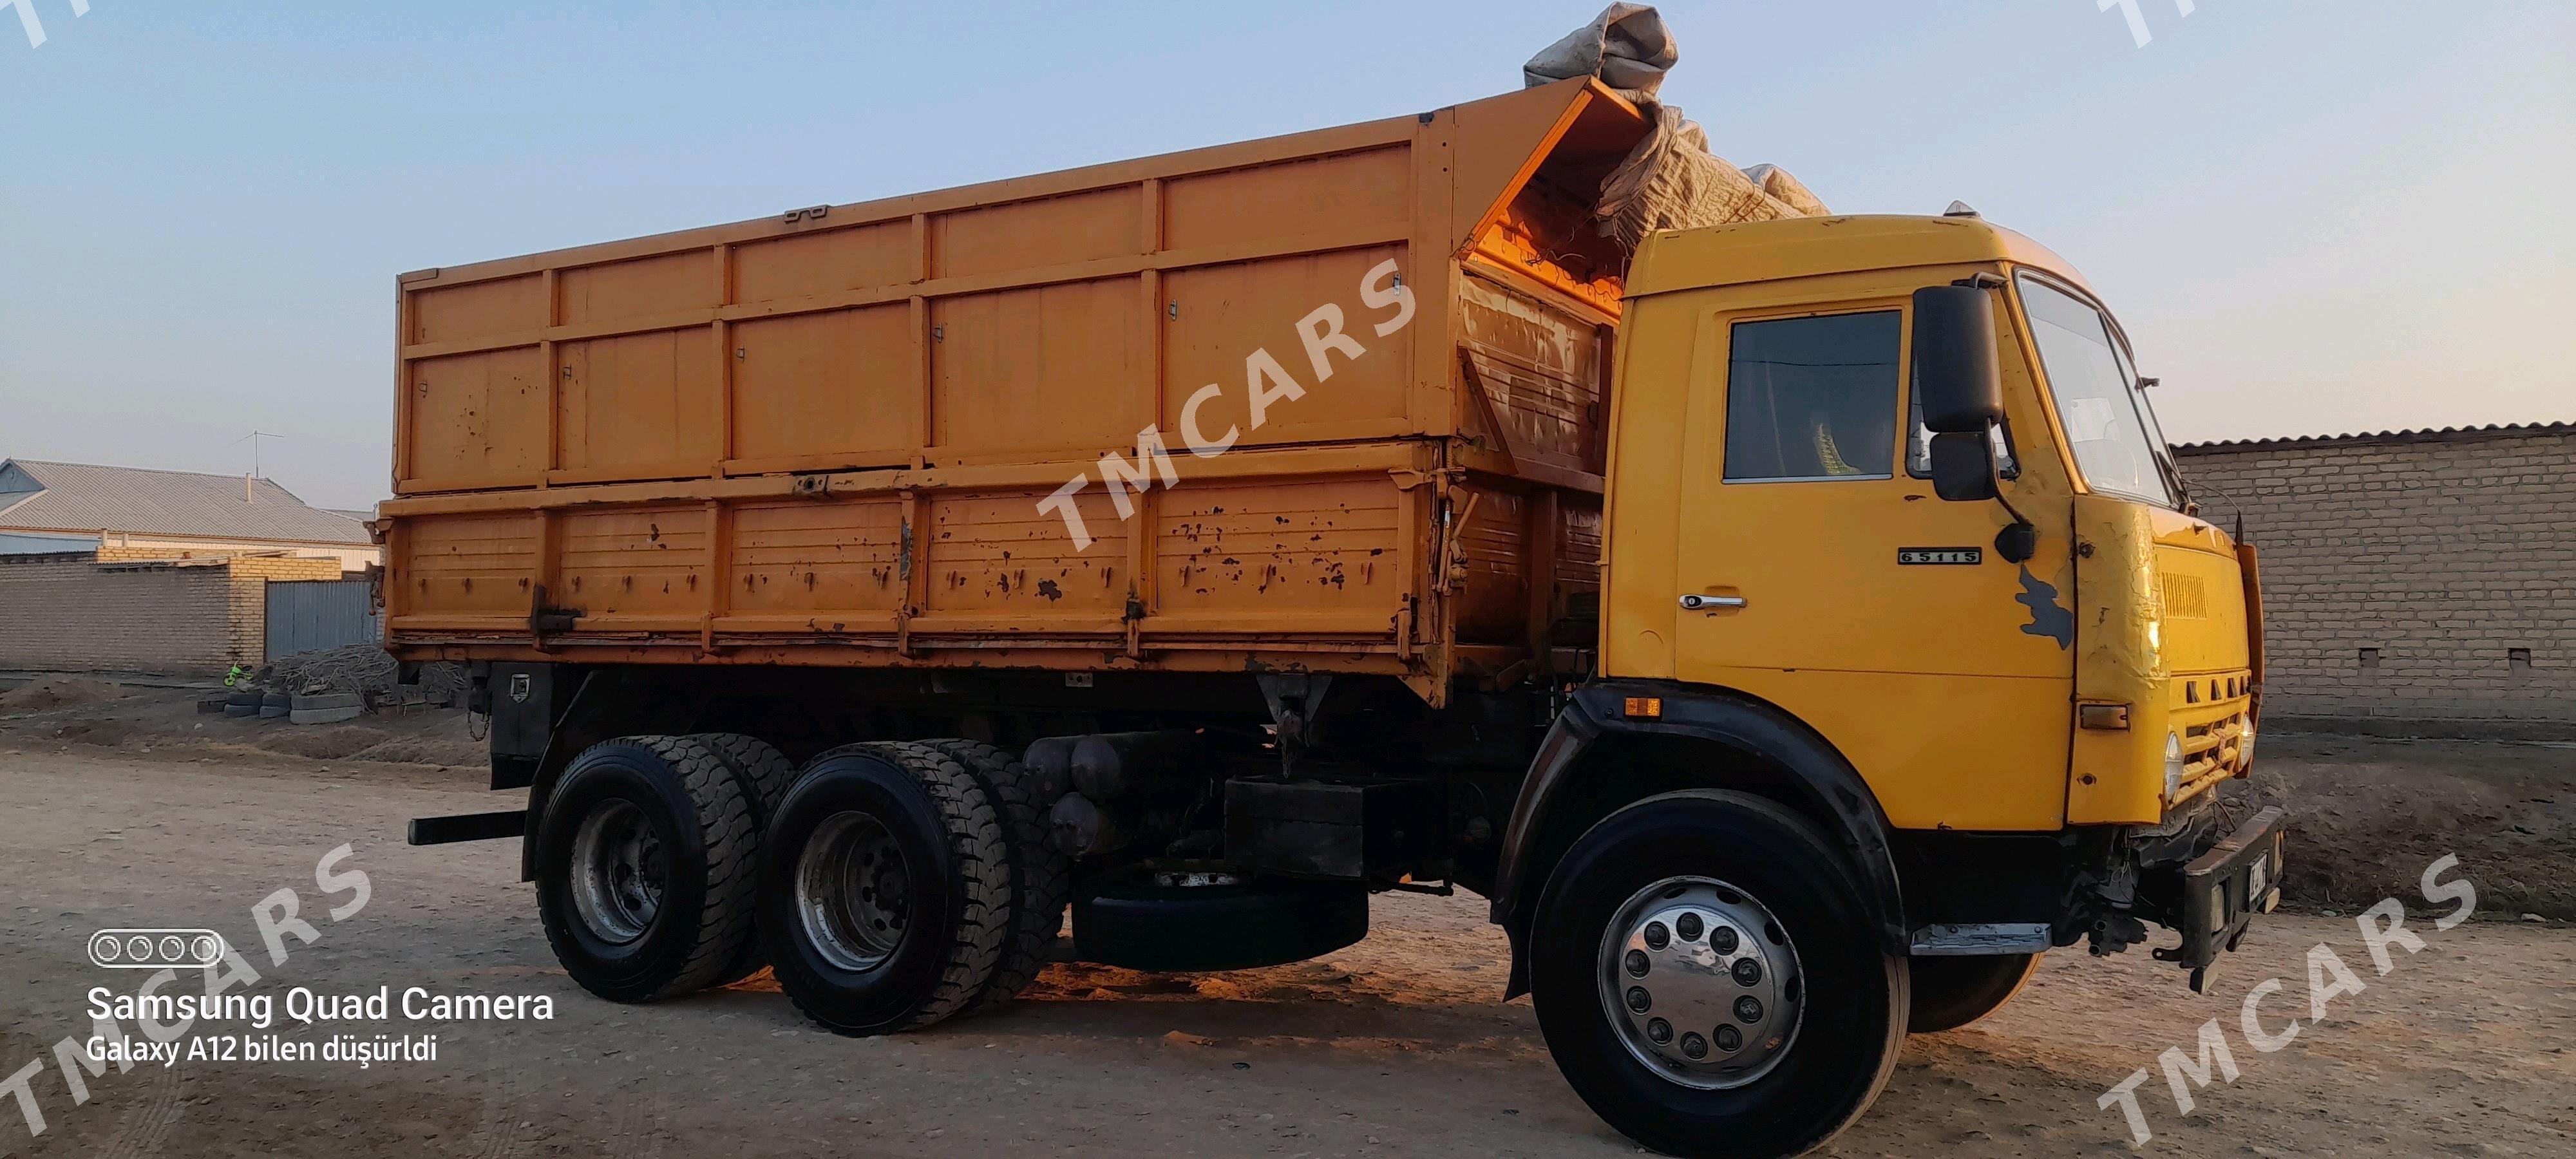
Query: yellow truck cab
point(1793, 629)
point(1893, 538)
point(1778, 527)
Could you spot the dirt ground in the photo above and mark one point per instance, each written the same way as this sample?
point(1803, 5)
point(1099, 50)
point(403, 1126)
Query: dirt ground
point(123, 813)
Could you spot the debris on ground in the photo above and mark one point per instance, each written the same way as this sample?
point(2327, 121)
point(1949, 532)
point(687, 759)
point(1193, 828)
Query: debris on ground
point(365, 669)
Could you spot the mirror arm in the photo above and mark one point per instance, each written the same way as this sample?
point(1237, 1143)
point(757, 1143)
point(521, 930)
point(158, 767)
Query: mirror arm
point(2019, 541)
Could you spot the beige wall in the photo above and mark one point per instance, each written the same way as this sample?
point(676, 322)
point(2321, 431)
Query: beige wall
point(69, 614)
point(118, 545)
point(2442, 552)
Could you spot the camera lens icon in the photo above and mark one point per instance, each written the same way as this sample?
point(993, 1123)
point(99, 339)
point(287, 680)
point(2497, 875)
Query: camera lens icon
point(157, 949)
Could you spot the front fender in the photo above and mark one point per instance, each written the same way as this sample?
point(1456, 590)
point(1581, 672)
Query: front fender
point(1801, 769)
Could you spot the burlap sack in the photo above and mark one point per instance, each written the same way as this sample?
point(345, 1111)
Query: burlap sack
point(1626, 46)
point(1776, 181)
point(1671, 181)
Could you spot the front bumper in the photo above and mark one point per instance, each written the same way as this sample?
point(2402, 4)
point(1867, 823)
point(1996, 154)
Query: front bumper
point(2211, 899)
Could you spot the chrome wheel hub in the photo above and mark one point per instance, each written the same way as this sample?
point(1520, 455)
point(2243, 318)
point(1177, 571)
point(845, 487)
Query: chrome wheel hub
point(618, 872)
point(853, 892)
point(1701, 983)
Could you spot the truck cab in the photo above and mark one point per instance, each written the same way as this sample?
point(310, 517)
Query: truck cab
point(2062, 643)
point(1902, 591)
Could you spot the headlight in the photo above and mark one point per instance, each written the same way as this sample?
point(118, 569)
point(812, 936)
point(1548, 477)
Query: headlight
point(2245, 748)
point(2173, 766)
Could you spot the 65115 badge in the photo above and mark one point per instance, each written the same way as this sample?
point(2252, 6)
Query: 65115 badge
point(1915, 555)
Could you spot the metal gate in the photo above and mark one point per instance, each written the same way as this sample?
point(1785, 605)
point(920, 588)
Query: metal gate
point(304, 615)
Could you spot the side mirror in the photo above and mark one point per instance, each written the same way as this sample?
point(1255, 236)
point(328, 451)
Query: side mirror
point(1954, 360)
point(1963, 466)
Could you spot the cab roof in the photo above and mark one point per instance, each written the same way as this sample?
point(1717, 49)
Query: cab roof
point(1764, 251)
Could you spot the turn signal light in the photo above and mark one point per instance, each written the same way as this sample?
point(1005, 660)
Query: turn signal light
point(1645, 707)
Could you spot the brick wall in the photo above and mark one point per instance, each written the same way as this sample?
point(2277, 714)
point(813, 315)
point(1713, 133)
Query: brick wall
point(73, 613)
point(2419, 575)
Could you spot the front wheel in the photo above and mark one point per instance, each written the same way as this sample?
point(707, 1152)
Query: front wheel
point(1708, 977)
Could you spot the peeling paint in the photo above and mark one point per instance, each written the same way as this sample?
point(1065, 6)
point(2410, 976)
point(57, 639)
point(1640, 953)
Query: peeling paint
point(2047, 617)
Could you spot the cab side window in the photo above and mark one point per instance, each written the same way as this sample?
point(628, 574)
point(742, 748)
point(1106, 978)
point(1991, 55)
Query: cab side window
point(1812, 398)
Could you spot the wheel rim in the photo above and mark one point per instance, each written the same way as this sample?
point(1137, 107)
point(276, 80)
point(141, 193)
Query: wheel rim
point(1701, 983)
point(619, 873)
point(853, 892)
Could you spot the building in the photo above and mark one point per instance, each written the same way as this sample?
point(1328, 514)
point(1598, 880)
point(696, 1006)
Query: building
point(76, 612)
point(2412, 580)
point(117, 569)
point(126, 513)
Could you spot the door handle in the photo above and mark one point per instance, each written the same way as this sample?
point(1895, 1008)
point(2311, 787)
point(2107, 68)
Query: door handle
point(1700, 603)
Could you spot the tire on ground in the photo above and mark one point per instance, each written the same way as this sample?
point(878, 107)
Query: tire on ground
point(885, 892)
point(1952, 992)
point(1126, 918)
point(1852, 1017)
point(645, 864)
point(762, 773)
point(1040, 873)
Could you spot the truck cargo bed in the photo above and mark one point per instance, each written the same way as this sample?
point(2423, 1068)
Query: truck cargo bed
point(826, 437)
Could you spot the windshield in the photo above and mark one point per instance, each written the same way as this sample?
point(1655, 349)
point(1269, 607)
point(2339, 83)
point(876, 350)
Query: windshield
point(2114, 432)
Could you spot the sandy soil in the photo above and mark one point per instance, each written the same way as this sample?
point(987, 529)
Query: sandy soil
point(1396, 1046)
point(2367, 815)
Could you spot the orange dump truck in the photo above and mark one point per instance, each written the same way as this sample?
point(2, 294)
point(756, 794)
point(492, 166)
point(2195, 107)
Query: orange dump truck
point(1782, 624)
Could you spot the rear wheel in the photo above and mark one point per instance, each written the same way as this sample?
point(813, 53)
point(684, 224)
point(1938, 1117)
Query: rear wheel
point(1708, 976)
point(1952, 992)
point(645, 859)
point(1040, 873)
point(885, 888)
point(761, 773)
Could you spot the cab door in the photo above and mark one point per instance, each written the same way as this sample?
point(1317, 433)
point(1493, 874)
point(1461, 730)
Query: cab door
point(1818, 571)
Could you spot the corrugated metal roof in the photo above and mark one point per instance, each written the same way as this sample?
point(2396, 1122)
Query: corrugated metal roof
point(2426, 435)
point(83, 497)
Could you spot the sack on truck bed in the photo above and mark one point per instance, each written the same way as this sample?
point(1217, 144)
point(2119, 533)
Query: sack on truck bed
point(1776, 181)
point(1627, 46)
point(1670, 180)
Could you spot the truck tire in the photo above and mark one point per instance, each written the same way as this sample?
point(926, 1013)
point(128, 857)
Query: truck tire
point(1219, 921)
point(1707, 973)
point(1040, 873)
point(758, 768)
point(645, 867)
point(1952, 992)
point(762, 774)
point(885, 888)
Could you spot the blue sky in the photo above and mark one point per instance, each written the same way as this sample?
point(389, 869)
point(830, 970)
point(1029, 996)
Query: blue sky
point(2312, 217)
